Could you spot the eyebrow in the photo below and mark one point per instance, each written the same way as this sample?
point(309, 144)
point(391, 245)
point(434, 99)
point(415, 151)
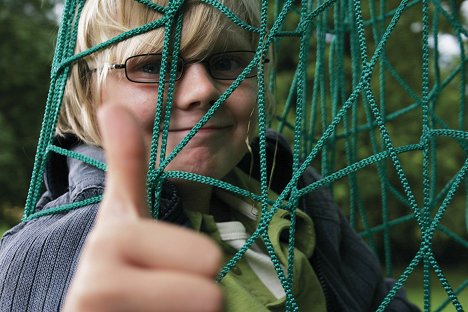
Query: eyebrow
point(239, 43)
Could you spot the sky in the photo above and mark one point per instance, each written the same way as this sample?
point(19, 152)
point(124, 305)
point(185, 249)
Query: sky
point(448, 44)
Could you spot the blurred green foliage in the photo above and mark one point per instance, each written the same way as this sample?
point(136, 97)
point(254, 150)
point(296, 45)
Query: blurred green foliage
point(396, 84)
point(27, 34)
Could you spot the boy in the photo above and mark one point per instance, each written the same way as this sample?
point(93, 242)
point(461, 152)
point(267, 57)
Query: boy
point(117, 259)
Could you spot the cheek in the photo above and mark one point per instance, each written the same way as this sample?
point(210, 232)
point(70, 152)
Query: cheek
point(141, 101)
point(244, 104)
point(143, 106)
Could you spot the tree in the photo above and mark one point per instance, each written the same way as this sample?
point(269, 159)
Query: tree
point(27, 32)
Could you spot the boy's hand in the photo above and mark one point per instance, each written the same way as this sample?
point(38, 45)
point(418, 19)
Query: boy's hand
point(129, 262)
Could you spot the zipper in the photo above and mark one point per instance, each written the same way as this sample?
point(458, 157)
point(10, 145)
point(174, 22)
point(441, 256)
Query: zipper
point(330, 303)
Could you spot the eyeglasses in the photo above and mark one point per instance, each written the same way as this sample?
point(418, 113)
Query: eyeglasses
point(145, 68)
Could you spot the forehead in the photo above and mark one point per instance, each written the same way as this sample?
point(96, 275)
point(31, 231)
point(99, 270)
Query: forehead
point(234, 39)
point(225, 36)
point(205, 30)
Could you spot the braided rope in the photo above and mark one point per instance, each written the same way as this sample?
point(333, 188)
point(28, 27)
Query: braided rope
point(337, 96)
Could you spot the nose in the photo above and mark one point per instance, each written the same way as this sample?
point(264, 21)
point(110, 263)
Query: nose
point(196, 88)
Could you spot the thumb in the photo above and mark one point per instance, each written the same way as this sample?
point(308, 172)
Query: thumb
point(126, 157)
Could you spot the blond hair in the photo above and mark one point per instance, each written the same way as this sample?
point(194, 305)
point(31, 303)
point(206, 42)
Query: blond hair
point(102, 20)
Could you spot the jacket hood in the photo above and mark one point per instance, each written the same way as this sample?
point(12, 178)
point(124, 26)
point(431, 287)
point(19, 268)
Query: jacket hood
point(68, 179)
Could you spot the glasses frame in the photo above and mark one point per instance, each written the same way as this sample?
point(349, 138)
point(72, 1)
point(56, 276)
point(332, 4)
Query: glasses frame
point(184, 63)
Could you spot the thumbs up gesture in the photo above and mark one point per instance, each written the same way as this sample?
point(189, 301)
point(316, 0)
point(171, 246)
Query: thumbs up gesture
point(129, 262)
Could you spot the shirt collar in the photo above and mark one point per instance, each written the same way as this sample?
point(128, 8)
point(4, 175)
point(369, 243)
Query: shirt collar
point(279, 225)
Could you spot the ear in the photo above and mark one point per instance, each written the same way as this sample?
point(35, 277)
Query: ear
point(279, 159)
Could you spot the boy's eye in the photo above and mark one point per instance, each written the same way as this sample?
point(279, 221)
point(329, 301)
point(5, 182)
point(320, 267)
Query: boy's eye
point(143, 68)
point(146, 65)
point(150, 68)
point(146, 68)
point(226, 63)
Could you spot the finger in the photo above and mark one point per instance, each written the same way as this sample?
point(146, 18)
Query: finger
point(186, 292)
point(159, 245)
point(126, 158)
point(152, 291)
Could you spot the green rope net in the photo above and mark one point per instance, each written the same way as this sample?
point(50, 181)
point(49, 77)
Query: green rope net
point(390, 140)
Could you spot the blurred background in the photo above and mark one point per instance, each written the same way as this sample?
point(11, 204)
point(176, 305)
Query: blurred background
point(27, 35)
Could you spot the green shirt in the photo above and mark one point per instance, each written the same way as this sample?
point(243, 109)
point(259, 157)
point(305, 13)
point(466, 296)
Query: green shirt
point(243, 289)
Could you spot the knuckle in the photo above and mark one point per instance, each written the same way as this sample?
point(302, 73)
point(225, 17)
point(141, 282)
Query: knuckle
point(109, 237)
point(212, 256)
point(217, 299)
point(214, 300)
point(95, 299)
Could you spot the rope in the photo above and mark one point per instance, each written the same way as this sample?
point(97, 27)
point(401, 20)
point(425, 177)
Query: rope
point(347, 107)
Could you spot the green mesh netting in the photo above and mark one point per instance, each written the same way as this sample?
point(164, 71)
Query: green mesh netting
point(390, 140)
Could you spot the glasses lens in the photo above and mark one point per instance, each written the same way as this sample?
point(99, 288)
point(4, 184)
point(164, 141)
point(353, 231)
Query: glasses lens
point(229, 65)
point(146, 68)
